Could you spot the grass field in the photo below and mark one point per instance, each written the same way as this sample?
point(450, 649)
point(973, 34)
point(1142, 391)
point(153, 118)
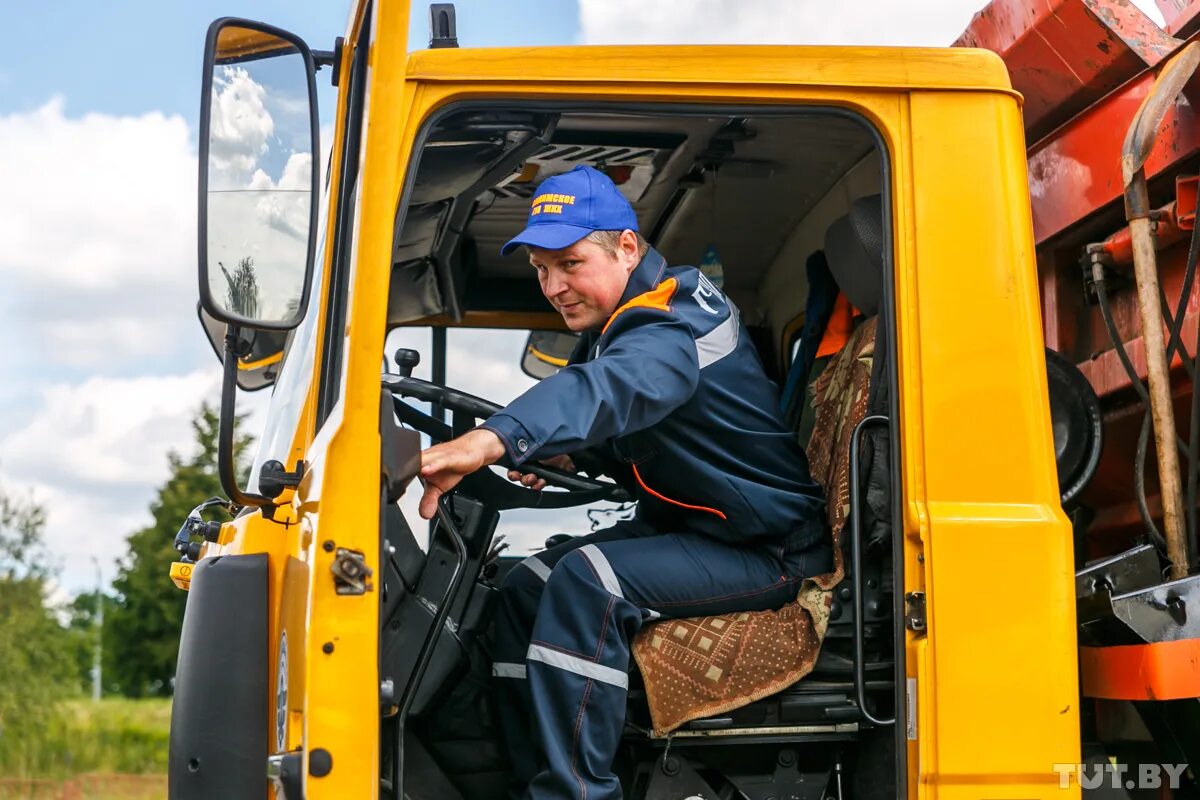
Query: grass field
point(112, 750)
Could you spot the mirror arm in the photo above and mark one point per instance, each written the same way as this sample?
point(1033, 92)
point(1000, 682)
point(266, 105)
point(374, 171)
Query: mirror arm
point(235, 348)
point(330, 58)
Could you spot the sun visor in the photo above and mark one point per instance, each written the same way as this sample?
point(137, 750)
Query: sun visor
point(413, 292)
point(415, 239)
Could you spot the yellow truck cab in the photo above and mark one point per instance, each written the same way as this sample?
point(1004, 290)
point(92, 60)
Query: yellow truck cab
point(335, 646)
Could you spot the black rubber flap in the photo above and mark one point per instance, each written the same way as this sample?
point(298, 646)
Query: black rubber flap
point(219, 715)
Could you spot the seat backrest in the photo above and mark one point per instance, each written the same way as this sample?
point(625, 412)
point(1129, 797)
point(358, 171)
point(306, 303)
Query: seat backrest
point(843, 393)
point(857, 263)
point(854, 250)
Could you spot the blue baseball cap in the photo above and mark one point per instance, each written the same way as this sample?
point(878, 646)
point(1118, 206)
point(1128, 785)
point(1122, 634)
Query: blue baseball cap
point(568, 207)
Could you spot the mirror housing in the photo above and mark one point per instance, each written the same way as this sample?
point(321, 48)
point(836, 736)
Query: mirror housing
point(546, 352)
point(258, 181)
point(261, 366)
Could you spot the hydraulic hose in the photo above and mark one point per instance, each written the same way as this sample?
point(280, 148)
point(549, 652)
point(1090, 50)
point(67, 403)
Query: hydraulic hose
point(1139, 463)
point(1175, 326)
point(1139, 482)
point(1176, 339)
point(1113, 334)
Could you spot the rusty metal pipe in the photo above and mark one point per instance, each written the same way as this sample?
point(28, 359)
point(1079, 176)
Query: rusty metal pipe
point(1138, 142)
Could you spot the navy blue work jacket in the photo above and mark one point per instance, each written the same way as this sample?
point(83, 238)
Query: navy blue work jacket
point(673, 387)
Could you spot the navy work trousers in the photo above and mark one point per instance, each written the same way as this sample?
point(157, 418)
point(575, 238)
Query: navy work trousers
point(563, 630)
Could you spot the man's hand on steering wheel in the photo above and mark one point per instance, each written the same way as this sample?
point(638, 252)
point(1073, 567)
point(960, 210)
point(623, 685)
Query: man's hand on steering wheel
point(532, 481)
point(444, 465)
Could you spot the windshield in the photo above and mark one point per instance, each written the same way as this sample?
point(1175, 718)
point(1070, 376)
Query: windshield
point(486, 362)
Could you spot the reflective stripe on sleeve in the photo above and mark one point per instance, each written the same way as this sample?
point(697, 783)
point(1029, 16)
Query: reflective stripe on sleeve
point(587, 669)
point(719, 342)
point(502, 669)
point(537, 567)
point(608, 578)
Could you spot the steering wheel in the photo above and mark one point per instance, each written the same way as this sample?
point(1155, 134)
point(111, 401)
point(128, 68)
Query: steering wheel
point(485, 484)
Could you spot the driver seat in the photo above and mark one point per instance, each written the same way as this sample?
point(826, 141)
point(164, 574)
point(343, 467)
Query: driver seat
point(696, 671)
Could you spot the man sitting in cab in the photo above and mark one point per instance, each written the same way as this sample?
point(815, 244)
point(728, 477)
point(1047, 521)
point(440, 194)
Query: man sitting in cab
point(667, 387)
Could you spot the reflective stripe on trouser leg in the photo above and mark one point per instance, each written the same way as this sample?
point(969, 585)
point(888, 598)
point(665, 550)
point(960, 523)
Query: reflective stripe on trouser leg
point(604, 571)
point(577, 668)
point(503, 670)
point(513, 626)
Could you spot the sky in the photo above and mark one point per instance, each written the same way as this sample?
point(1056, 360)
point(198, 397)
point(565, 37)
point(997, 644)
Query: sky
point(103, 361)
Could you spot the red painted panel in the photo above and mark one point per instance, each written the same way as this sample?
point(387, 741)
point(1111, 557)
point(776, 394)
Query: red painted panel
point(1077, 170)
point(1159, 671)
point(1064, 55)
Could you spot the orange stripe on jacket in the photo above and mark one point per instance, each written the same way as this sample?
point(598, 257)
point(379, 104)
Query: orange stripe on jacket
point(839, 327)
point(659, 297)
point(666, 499)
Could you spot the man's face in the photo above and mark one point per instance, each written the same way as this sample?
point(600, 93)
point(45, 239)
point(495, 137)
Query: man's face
point(584, 282)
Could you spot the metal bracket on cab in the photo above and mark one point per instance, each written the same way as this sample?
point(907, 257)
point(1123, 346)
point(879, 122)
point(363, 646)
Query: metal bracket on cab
point(350, 572)
point(914, 612)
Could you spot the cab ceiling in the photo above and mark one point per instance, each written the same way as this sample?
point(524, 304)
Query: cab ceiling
point(740, 184)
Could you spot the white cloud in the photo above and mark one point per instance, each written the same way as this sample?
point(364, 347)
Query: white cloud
point(98, 219)
point(95, 452)
point(932, 23)
point(108, 432)
point(287, 211)
point(98, 201)
point(87, 342)
point(240, 125)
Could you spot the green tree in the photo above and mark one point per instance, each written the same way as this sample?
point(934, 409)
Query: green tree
point(141, 632)
point(35, 651)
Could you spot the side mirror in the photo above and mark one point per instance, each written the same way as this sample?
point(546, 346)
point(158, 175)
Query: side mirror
point(546, 352)
point(258, 213)
point(258, 182)
point(260, 367)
